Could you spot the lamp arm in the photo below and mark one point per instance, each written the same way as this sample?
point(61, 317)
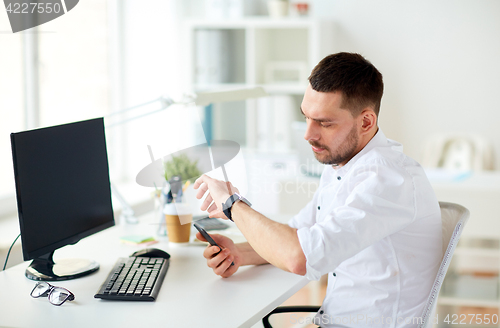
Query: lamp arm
point(127, 214)
point(198, 99)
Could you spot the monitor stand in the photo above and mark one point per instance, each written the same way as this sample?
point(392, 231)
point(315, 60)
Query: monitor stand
point(44, 268)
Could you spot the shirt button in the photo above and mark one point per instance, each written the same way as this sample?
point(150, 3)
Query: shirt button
point(321, 312)
point(338, 178)
point(334, 274)
point(318, 207)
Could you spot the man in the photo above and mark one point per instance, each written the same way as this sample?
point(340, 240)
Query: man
point(373, 225)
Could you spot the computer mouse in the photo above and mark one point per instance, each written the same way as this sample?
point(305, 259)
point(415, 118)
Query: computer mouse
point(151, 252)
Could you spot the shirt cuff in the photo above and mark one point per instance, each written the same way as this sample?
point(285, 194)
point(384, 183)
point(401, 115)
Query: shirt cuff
point(311, 252)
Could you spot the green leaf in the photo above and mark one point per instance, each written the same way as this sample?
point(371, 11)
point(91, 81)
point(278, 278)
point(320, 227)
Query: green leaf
point(183, 166)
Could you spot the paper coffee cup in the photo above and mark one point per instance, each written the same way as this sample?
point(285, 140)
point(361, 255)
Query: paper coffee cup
point(178, 218)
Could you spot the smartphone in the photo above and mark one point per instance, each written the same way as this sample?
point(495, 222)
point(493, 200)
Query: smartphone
point(208, 238)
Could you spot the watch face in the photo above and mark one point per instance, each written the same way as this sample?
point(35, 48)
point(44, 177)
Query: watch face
point(235, 197)
point(243, 199)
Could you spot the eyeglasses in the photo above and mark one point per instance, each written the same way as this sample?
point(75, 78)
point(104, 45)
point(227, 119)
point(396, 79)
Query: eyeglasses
point(56, 295)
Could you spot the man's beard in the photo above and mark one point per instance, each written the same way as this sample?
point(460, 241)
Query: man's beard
point(344, 153)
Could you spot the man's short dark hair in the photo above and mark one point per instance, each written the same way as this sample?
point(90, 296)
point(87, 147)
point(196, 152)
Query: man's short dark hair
point(350, 73)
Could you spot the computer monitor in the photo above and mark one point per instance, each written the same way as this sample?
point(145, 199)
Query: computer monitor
point(63, 194)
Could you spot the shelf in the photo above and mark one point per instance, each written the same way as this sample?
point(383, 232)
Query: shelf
point(255, 22)
point(277, 54)
point(257, 50)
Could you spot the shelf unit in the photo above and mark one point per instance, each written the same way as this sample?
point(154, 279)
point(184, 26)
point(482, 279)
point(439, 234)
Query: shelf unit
point(277, 54)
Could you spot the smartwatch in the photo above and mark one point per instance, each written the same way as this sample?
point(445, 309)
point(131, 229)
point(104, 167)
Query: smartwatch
point(230, 201)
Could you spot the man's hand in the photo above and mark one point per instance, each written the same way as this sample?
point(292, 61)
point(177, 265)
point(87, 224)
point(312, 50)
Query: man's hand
point(221, 262)
point(218, 193)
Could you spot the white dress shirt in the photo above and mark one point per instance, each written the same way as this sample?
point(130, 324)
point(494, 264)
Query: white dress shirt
point(374, 226)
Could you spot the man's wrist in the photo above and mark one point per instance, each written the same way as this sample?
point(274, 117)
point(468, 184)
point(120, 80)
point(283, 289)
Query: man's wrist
point(231, 201)
point(238, 204)
point(237, 210)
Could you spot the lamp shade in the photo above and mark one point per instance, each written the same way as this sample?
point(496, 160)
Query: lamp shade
point(207, 98)
point(222, 151)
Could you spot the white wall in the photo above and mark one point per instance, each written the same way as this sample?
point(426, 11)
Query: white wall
point(440, 61)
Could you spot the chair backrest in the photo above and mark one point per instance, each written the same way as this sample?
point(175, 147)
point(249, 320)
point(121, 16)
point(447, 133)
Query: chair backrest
point(453, 218)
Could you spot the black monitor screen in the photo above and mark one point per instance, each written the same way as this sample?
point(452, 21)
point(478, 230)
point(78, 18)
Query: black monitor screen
point(62, 184)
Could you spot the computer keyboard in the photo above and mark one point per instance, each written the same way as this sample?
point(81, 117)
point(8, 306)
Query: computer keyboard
point(134, 279)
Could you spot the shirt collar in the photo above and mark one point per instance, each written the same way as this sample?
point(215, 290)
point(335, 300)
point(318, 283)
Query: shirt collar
point(378, 140)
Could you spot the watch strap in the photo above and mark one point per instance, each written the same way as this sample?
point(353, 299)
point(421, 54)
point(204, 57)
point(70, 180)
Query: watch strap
point(226, 207)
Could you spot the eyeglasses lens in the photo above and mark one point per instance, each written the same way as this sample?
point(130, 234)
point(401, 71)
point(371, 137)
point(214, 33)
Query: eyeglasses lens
point(58, 296)
point(40, 289)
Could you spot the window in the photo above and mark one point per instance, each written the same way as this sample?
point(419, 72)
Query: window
point(100, 57)
point(11, 100)
point(73, 77)
point(73, 54)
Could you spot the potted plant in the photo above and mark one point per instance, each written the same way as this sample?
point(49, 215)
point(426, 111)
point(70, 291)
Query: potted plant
point(182, 166)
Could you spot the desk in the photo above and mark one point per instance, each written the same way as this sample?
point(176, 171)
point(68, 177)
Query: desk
point(191, 294)
point(479, 192)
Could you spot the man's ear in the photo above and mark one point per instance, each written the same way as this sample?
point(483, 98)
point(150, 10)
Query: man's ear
point(368, 120)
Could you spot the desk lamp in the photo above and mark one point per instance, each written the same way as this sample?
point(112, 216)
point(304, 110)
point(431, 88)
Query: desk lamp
point(221, 150)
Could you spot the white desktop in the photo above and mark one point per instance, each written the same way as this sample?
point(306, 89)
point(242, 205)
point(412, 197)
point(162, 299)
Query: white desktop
point(191, 294)
point(66, 199)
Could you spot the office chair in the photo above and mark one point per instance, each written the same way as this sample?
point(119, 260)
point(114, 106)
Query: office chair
point(453, 217)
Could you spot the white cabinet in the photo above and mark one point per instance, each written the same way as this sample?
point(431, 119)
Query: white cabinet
point(277, 54)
